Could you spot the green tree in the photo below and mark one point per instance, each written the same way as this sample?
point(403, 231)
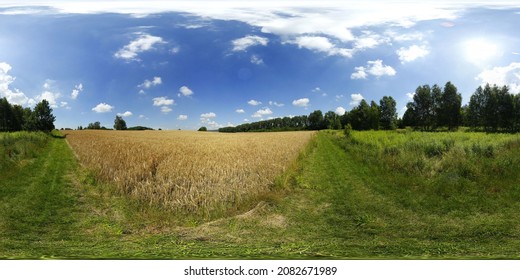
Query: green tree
point(449, 107)
point(316, 121)
point(6, 115)
point(332, 120)
point(203, 128)
point(43, 117)
point(388, 112)
point(423, 106)
point(119, 123)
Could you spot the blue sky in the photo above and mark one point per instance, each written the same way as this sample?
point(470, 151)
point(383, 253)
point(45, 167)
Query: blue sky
point(180, 64)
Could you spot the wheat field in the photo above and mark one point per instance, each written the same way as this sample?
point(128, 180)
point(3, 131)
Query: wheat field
point(189, 171)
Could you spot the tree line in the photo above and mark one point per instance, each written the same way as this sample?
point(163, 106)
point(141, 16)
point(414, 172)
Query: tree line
point(16, 118)
point(491, 109)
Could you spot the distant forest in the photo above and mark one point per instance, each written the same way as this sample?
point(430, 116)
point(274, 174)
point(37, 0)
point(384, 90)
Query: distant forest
point(490, 109)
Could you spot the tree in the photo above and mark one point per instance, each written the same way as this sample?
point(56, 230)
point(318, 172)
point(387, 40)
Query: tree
point(332, 120)
point(203, 128)
point(119, 123)
point(423, 106)
point(96, 125)
point(43, 116)
point(409, 117)
point(449, 107)
point(316, 121)
point(374, 116)
point(6, 115)
point(388, 113)
point(359, 117)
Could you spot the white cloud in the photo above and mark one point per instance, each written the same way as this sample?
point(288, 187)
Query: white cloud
point(182, 117)
point(340, 111)
point(244, 43)
point(410, 95)
point(75, 92)
point(208, 115)
point(374, 68)
point(103, 108)
point(507, 75)
point(185, 91)
point(162, 101)
point(166, 109)
point(240, 111)
point(369, 40)
point(253, 102)
point(148, 84)
point(145, 42)
point(262, 112)
point(356, 99)
point(302, 102)
point(51, 97)
point(274, 103)
point(359, 74)
point(415, 36)
point(125, 114)
point(321, 44)
point(339, 97)
point(255, 59)
point(412, 53)
point(16, 96)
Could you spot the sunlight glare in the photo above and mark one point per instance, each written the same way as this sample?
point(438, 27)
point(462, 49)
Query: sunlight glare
point(480, 50)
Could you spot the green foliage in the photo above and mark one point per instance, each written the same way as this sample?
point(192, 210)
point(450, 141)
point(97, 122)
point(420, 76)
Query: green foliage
point(203, 128)
point(119, 123)
point(16, 118)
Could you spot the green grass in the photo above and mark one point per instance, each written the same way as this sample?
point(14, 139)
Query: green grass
point(376, 195)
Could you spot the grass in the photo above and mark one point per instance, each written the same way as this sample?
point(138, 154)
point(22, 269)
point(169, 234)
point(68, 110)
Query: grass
point(341, 199)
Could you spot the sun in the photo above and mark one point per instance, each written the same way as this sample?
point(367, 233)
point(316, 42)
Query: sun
point(480, 50)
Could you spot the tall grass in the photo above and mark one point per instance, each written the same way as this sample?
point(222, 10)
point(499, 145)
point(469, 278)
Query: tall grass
point(189, 172)
point(17, 146)
point(442, 172)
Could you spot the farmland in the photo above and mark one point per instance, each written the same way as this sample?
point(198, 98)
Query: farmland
point(189, 172)
point(374, 194)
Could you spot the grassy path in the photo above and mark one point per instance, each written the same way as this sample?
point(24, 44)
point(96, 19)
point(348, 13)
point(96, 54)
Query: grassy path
point(36, 203)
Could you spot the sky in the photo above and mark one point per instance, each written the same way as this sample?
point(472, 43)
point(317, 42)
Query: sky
point(187, 64)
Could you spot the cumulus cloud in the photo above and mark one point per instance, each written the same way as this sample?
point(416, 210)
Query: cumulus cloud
point(182, 117)
point(507, 75)
point(321, 44)
point(410, 95)
point(13, 96)
point(208, 115)
point(302, 102)
point(103, 108)
point(262, 112)
point(125, 114)
point(51, 97)
point(375, 68)
point(240, 111)
point(244, 43)
point(162, 101)
point(145, 42)
point(166, 109)
point(75, 92)
point(356, 99)
point(253, 102)
point(148, 84)
point(185, 91)
point(412, 53)
point(340, 111)
point(369, 40)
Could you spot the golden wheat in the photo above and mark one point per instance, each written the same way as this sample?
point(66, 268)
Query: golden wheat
point(190, 171)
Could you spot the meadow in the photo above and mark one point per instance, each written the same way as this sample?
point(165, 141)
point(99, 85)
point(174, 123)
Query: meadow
point(190, 172)
point(296, 195)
